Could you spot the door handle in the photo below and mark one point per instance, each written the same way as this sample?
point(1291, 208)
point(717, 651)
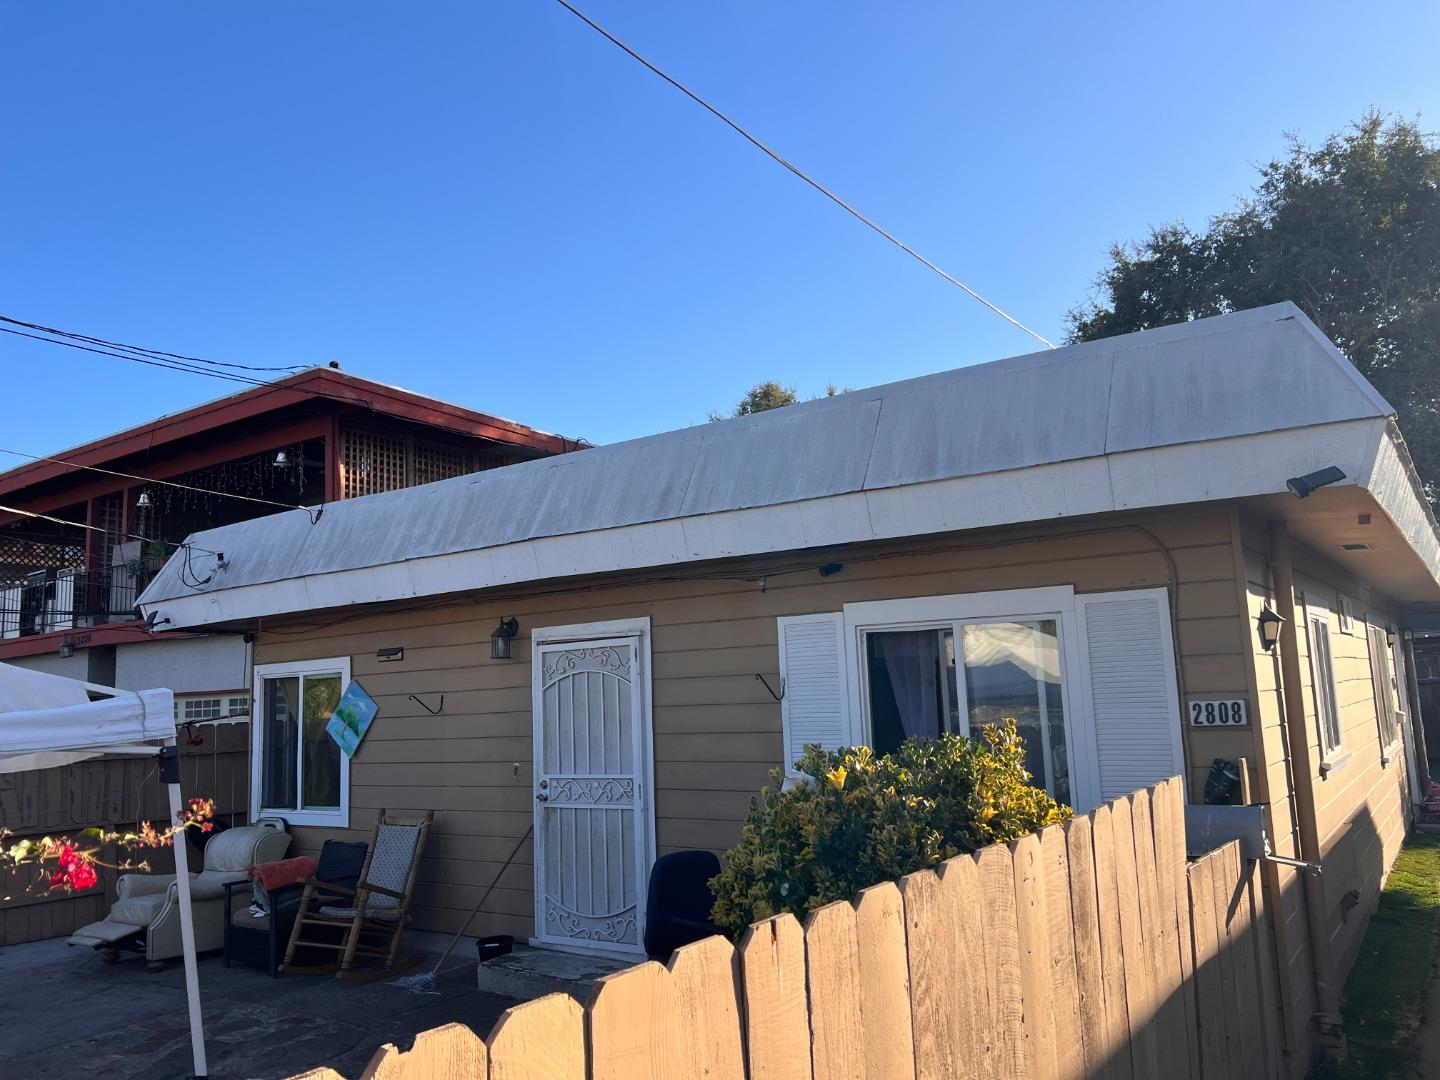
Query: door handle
point(542, 797)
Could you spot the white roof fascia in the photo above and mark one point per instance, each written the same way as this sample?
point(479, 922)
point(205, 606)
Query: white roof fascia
point(1142, 479)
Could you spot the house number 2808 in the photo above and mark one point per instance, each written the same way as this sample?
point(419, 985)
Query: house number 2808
point(1219, 712)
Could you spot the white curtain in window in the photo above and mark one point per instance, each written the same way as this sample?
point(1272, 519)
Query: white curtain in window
point(912, 660)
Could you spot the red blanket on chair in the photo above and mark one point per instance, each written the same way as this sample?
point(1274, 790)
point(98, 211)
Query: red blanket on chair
point(276, 875)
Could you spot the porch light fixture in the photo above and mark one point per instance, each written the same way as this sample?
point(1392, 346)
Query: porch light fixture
point(1267, 625)
point(390, 655)
point(143, 503)
point(500, 639)
point(1390, 638)
point(1302, 486)
point(281, 460)
point(67, 649)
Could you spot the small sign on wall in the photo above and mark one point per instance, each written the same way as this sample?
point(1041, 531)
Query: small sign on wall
point(1219, 712)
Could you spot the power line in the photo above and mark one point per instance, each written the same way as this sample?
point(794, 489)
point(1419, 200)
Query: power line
point(797, 171)
point(165, 483)
point(97, 528)
point(147, 351)
point(228, 376)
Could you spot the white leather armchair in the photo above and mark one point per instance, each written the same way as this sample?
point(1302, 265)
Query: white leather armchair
point(148, 904)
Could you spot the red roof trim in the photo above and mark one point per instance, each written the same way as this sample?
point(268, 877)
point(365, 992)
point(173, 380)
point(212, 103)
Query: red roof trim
point(316, 383)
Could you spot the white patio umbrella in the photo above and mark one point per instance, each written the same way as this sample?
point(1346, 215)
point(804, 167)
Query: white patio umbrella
point(47, 720)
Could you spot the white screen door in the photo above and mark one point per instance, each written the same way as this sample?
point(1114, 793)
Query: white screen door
point(591, 840)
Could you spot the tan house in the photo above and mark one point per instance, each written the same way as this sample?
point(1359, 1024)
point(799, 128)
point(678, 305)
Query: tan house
point(1092, 540)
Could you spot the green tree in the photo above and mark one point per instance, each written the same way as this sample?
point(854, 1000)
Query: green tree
point(762, 397)
point(1349, 230)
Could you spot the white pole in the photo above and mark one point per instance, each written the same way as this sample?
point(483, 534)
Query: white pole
point(187, 931)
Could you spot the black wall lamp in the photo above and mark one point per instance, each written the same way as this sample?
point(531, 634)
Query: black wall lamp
point(500, 639)
point(1267, 625)
point(1302, 486)
point(390, 655)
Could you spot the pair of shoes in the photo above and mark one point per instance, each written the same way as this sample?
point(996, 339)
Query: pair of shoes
point(257, 912)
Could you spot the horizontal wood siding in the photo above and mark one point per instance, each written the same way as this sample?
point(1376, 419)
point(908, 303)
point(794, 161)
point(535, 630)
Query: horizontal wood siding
point(717, 729)
point(1362, 806)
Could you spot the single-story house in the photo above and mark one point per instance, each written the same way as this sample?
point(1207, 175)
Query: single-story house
point(1094, 540)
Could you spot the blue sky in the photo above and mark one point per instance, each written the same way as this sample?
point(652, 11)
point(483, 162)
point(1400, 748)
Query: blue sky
point(487, 202)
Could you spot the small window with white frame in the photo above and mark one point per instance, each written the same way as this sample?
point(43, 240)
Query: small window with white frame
point(198, 708)
point(1382, 675)
point(298, 771)
point(1322, 678)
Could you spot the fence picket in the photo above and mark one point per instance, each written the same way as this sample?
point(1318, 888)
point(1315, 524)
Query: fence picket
point(833, 979)
point(947, 982)
point(777, 1023)
point(449, 1052)
point(705, 983)
point(885, 976)
point(1167, 803)
point(633, 1026)
point(1208, 987)
point(1031, 915)
point(542, 1039)
point(1001, 936)
point(1139, 1003)
point(1060, 934)
point(1112, 950)
point(1225, 881)
point(1095, 1047)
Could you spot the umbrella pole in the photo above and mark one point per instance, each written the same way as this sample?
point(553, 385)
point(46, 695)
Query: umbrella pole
point(170, 773)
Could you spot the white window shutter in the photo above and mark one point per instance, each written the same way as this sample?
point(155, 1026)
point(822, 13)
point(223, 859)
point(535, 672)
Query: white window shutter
point(813, 706)
point(1134, 703)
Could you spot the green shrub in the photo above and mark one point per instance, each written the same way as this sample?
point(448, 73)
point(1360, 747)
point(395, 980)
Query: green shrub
point(868, 819)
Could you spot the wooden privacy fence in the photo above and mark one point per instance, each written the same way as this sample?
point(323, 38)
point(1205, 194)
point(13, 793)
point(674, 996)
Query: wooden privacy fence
point(112, 793)
point(1088, 950)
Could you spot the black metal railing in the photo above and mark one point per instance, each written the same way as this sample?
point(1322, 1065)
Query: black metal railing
point(49, 601)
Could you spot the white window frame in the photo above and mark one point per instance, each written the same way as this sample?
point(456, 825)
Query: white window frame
point(1318, 619)
point(338, 819)
point(1019, 605)
point(1386, 684)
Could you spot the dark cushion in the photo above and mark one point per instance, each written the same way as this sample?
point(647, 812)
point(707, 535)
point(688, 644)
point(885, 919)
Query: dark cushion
point(678, 902)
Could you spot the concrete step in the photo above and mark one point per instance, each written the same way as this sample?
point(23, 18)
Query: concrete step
point(528, 972)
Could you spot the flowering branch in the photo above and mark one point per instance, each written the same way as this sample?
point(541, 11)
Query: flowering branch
point(63, 863)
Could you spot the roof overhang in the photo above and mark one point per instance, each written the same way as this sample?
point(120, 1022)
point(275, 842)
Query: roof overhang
point(1369, 452)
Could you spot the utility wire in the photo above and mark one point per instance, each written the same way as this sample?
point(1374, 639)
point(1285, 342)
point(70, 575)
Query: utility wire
point(151, 480)
point(149, 352)
point(797, 171)
point(175, 365)
point(97, 528)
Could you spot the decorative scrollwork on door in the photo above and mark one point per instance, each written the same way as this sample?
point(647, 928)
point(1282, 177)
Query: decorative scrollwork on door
point(592, 790)
point(607, 660)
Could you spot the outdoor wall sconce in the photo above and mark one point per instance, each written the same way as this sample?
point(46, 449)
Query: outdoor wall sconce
point(1302, 486)
point(831, 568)
point(1390, 638)
point(1267, 625)
point(143, 503)
point(390, 655)
point(281, 460)
point(67, 649)
point(500, 639)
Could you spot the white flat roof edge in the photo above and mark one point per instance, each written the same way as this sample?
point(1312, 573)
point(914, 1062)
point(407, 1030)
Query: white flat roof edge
point(1142, 479)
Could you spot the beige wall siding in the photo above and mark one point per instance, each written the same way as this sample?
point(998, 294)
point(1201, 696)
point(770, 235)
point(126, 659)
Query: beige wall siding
point(1362, 806)
point(717, 730)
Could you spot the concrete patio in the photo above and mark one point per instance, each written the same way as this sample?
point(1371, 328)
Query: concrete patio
point(66, 1014)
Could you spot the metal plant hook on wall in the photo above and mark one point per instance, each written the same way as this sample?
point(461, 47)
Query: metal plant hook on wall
point(766, 683)
point(433, 712)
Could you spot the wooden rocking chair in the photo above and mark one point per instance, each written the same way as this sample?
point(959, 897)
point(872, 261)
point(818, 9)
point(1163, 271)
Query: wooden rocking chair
point(377, 910)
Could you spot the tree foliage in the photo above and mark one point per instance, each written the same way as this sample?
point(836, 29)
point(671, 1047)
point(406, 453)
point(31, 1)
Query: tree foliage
point(869, 819)
point(762, 397)
point(1349, 230)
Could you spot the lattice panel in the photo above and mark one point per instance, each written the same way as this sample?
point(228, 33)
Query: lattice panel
point(371, 462)
point(436, 462)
